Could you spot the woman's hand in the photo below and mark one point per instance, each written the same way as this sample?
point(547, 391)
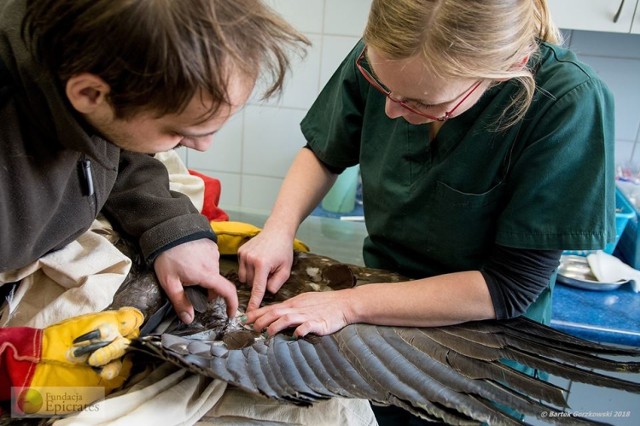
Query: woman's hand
point(320, 313)
point(194, 263)
point(264, 263)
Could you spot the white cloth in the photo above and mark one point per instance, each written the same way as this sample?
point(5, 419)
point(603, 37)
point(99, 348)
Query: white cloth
point(241, 408)
point(180, 180)
point(168, 396)
point(171, 396)
point(80, 278)
point(609, 269)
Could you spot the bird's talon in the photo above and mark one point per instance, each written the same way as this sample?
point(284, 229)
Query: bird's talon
point(83, 350)
point(93, 334)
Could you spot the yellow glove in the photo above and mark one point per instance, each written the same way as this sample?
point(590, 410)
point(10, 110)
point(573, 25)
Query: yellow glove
point(71, 364)
point(231, 235)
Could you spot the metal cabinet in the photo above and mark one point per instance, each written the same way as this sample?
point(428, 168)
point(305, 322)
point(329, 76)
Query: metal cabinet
point(615, 16)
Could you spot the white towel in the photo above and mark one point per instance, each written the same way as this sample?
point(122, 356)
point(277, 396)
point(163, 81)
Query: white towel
point(610, 269)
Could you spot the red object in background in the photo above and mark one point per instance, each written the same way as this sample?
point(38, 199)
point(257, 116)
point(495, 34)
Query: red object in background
point(212, 190)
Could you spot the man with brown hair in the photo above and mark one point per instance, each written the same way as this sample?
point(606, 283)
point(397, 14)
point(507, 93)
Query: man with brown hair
point(89, 88)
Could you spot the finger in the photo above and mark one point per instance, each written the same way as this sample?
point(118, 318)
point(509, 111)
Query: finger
point(225, 289)
point(308, 327)
point(242, 268)
point(251, 317)
point(270, 315)
point(179, 300)
point(277, 279)
point(285, 321)
point(259, 288)
point(250, 273)
point(257, 294)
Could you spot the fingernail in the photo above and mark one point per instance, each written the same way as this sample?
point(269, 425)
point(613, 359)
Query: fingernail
point(185, 317)
point(243, 319)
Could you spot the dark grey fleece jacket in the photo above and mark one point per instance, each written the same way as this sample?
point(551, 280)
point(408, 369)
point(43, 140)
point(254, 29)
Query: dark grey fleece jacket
point(55, 176)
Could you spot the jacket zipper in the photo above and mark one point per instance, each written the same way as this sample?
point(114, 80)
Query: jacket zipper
point(88, 188)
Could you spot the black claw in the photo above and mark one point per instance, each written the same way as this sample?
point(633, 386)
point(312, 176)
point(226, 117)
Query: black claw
point(94, 334)
point(89, 348)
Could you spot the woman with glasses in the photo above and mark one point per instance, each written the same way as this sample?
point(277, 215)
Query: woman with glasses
point(485, 149)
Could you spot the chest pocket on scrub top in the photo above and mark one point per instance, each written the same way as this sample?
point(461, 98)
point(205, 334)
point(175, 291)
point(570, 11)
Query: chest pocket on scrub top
point(467, 222)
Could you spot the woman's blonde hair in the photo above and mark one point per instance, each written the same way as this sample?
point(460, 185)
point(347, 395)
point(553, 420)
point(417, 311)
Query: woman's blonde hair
point(481, 39)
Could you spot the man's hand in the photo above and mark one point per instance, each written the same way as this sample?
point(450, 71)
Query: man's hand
point(194, 263)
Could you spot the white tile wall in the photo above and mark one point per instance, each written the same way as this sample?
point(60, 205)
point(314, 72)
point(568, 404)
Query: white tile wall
point(302, 85)
point(259, 193)
point(231, 184)
point(334, 50)
point(252, 153)
point(272, 138)
point(307, 16)
point(346, 17)
point(225, 153)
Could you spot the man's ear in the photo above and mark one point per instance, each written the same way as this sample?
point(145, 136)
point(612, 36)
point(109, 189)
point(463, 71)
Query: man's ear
point(87, 92)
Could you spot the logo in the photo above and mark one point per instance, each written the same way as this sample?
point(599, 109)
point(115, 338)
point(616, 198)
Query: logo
point(54, 401)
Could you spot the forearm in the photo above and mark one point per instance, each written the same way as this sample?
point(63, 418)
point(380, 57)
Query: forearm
point(307, 181)
point(428, 302)
point(142, 205)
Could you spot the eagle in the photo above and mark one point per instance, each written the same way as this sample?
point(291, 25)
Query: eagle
point(457, 374)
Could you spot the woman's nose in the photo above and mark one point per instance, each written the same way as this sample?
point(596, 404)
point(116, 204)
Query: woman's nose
point(393, 109)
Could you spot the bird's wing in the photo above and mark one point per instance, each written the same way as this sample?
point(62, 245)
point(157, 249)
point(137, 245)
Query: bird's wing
point(453, 374)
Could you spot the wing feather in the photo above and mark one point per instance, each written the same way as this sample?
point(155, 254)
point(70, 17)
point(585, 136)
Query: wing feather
point(454, 374)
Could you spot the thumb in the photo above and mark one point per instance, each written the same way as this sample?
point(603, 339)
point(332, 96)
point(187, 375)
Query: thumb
point(179, 300)
point(225, 289)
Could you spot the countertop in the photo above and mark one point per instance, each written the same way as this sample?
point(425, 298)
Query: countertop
point(603, 316)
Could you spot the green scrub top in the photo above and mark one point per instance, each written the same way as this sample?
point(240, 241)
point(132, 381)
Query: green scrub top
point(435, 207)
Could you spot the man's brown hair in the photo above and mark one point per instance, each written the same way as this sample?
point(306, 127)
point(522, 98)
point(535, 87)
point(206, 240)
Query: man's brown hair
point(156, 55)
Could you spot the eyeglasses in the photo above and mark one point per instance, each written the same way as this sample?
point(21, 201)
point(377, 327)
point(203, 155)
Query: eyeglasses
point(407, 104)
